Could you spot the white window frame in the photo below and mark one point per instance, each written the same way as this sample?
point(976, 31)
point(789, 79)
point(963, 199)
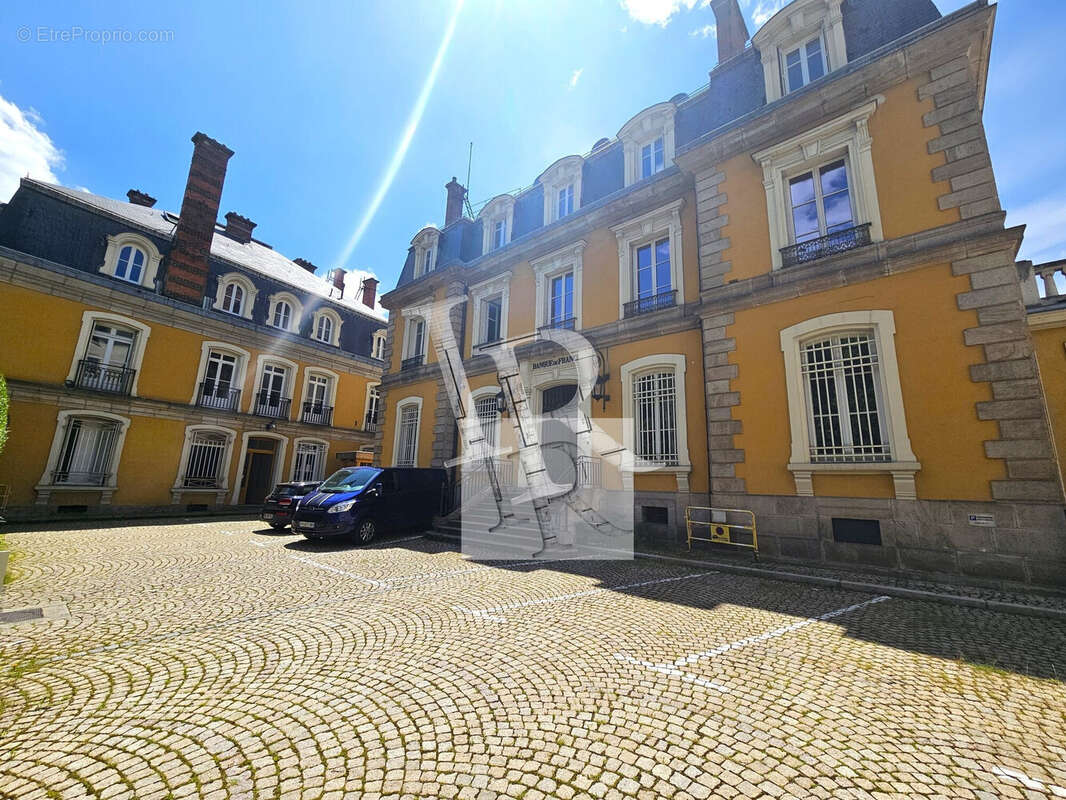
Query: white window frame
point(814, 169)
point(498, 209)
point(793, 26)
point(547, 267)
point(152, 258)
point(648, 229)
point(645, 128)
point(481, 394)
point(377, 345)
point(250, 293)
point(498, 285)
point(140, 344)
point(220, 491)
point(416, 401)
point(409, 321)
point(678, 364)
point(366, 406)
point(296, 450)
point(331, 389)
point(335, 331)
point(882, 328)
point(563, 173)
point(239, 374)
point(847, 136)
point(296, 311)
point(426, 240)
point(45, 487)
point(292, 375)
point(801, 48)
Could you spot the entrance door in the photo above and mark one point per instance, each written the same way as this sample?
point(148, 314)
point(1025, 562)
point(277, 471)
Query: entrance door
point(558, 441)
point(258, 469)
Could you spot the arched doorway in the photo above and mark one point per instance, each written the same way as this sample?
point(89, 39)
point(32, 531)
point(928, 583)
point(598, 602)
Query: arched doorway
point(558, 411)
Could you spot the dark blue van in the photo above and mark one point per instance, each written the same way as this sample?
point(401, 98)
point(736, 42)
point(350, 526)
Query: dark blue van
point(365, 500)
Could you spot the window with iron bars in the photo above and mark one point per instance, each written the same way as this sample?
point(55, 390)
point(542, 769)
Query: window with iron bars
point(309, 462)
point(842, 378)
point(655, 411)
point(408, 445)
point(203, 469)
point(86, 455)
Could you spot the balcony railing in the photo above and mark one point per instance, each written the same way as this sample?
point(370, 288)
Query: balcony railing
point(370, 423)
point(836, 242)
point(317, 414)
point(218, 396)
point(271, 404)
point(193, 482)
point(103, 377)
point(568, 323)
point(589, 472)
point(413, 362)
point(1046, 273)
point(80, 478)
point(656, 302)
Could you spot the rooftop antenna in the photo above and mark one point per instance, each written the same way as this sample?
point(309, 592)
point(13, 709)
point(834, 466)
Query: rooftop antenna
point(469, 161)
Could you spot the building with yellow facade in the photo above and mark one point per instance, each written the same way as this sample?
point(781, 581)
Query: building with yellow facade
point(166, 363)
point(801, 292)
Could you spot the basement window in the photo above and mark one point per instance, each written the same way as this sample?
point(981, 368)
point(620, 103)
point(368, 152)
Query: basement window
point(856, 531)
point(655, 515)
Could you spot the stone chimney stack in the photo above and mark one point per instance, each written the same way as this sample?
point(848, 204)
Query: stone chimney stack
point(456, 195)
point(239, 228)
point(139, 198)
point(732, 30)
point(303, 262)
point(337, 276)
point(370, 292)
point(187, 263)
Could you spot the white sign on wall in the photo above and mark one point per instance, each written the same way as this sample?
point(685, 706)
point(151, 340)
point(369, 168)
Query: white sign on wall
point(983, 520)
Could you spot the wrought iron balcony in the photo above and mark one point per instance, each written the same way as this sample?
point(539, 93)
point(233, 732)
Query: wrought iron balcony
point(656, 302)
point(271, 404)
point(836, 242)
point(218, 396)
point(317, 414)
point(567, 323)
point(73, 478)
point(192, 482)
point(370, 424)
point(103, 377)
point(412, 362)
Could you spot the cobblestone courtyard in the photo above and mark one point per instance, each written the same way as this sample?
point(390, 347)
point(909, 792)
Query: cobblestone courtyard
point(217, 659)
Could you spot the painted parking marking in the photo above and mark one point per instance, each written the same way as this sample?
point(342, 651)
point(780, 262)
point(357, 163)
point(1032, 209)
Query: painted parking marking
point(1027, 782)
point(673, 667)
point(494, 613)
point(338, 571)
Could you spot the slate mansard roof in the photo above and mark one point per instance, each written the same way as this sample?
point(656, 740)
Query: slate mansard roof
point(70, 227)
point(735, 89)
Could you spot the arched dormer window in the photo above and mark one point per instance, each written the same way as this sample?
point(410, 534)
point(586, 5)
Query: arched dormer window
point(377, 347)
point(497, 220)
point(648, 142)
point(132, 258)
point(799, 44)
point(285, 312)
point(235, 295)
point(562, 188)
point(326, 326)
point(425, 246)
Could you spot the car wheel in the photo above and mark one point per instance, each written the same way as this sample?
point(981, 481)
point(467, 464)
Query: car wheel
point(365, 530)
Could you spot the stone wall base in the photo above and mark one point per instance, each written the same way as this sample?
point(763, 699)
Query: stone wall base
point(33, 514)
point(675, 504)
point(1025, 544)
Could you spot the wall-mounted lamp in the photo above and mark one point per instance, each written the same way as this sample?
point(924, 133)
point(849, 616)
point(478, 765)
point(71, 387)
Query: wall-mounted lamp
point(599, 388)
point(501, 403)
point(270, 426)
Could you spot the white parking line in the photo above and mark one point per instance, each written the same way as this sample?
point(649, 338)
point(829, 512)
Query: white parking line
point(329, 568)
point(672, 667)
point(493, 613)
point(1027, 782)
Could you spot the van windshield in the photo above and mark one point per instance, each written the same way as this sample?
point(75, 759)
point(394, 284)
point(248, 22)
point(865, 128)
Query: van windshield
point(349, 480)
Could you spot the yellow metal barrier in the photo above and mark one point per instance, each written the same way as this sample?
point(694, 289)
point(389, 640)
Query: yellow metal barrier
point(721, 525)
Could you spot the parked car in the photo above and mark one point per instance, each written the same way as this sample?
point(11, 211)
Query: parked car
point(280, 503)
point(362, 501)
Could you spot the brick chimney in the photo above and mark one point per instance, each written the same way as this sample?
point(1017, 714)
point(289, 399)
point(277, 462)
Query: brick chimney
point(337, 276)
point(456, 195)
point(139, 198)
point(303, 262)
point(187, 265)
point(239, 228)
point(370, 292)
point(732, 30)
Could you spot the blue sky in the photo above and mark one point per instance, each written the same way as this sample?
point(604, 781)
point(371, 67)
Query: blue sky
point(315, 99)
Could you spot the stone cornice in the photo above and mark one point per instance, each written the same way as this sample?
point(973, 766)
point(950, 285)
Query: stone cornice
point(48, 277)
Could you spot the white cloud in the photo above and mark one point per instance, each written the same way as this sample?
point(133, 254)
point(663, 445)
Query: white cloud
point(705, 31)
point(575, 77)
point(353, 283)
point(1045, 231)
point(763, 10)
point(24, 149)
point(655, 12)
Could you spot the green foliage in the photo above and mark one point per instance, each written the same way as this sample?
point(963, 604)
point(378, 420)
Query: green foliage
point(3, 412)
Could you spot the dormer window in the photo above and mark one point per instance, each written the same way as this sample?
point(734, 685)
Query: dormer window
point(425, 246)
point(497, 220)
point(799, 44)
point(377, 347)
point(284, 312)
point(562, 188)
point(281, 316)
point(132, 258)
point(326, 326)
point(648, 142)
point(235, 295)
